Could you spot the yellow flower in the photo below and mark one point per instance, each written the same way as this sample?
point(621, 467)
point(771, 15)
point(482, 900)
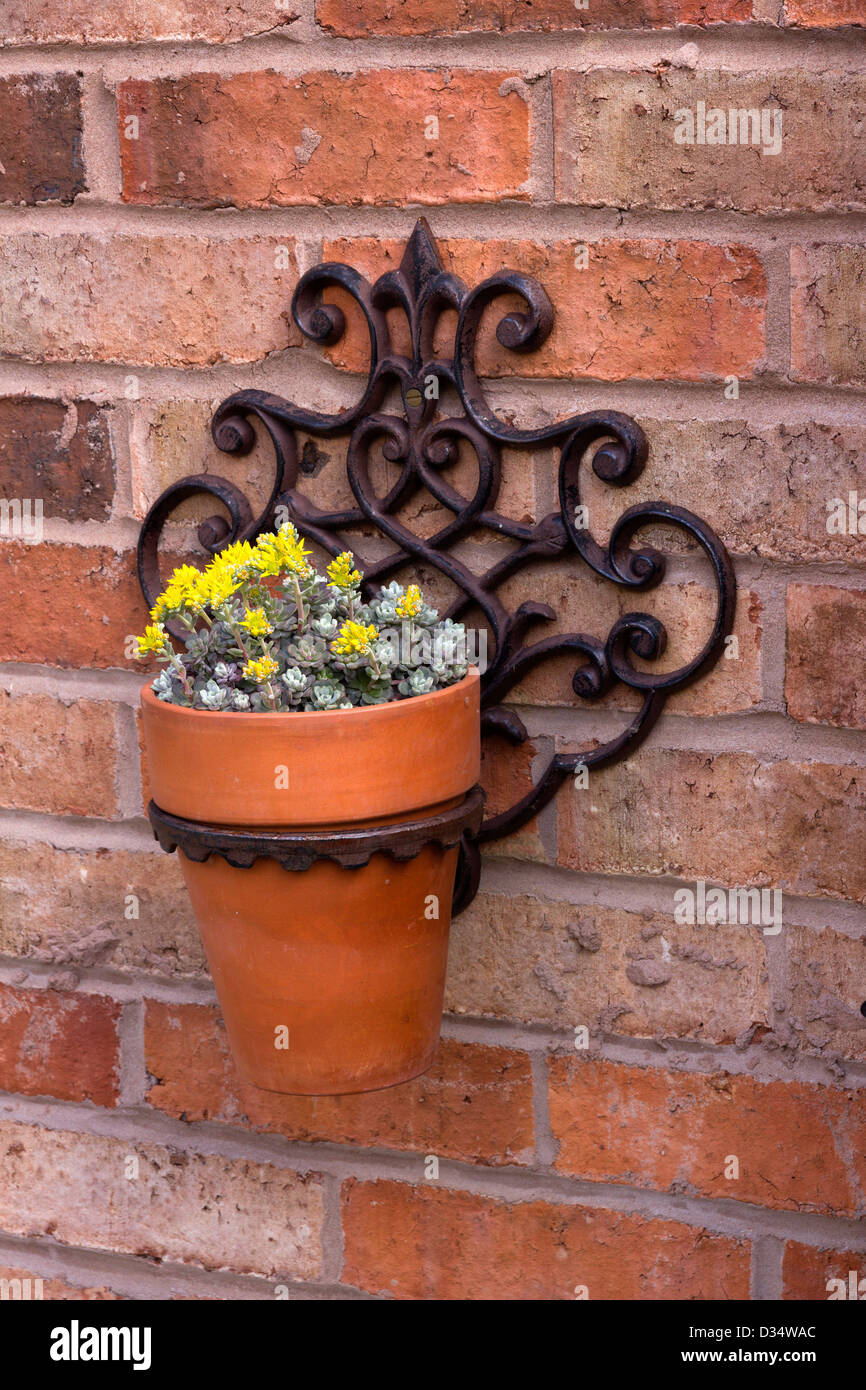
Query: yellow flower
point(185, 589)
point(341, 573)
point(255, 621)
point(354, 639)
point(155, 639)
point(220, 582)
point(410, 603)
point(235, 556)
point(261, 670)
point(283, 551)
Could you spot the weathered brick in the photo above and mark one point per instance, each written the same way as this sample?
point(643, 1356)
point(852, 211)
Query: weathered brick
point(210, 1211)
point(57, 756)
point(166, 435)
point(23, 1285)
point(824, 14)
point(58, 1044)
point(678, 1132)
point(333, 138)
point(641, 308)
point(475, 1103)
point(40, 117)
point(506, 777)
point(730, 818)
point(358, 18)
point(827, 981)
point(137, 21)
point(429, 1243)
point(538, 961)
point(808, 1274)
point(59, 453)
point(767, 490)
point(617, 140)
point(828, 314)
point(181, 300)
point(825, 664)
point(113, 908)
point(69, 605)
point(687, 611)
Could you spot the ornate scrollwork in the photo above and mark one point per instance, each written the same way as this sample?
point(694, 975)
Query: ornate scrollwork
point(422, 444)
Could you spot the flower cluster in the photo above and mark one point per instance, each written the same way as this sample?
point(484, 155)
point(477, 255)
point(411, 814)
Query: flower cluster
point(267, 632)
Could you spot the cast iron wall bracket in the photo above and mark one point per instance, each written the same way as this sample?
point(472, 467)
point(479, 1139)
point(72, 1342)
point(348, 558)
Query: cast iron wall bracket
point(422, 444)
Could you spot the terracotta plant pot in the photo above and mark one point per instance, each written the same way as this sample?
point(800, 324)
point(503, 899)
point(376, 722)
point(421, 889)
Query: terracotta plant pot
point(330, 978)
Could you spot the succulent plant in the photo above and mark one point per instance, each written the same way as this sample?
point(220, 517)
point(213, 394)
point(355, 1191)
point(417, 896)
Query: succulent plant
point(267, 632)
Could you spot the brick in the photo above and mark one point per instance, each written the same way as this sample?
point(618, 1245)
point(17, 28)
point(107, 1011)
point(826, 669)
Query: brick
point(475, 1103)
point(360, 18)
point(767, 490)
point(676, 1132)
point(828, 314)
point(82, 915)
point(827, 981)
point(154, 300)
point(56, 756)
point(132, 21)
point(616, 146)
point(729, 818)
point(40, 117)
point(824, 14)
point(506, 777)
point(641, 308)
point(808, 1274)
point(58, 452)
point(143, 770)
point(166, 434)
point(69, 605)
point(332, 138)
point(204, 1210)
point(534, 961)
point(687, 611)
point(429, 1243)
point(62, 1045)
point(825, 663)
point(24, 1285)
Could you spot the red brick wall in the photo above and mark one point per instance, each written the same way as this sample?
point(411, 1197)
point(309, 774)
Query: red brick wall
point(140, 286)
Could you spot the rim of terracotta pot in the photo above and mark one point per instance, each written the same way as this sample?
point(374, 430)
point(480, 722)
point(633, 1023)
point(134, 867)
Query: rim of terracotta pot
point(241, 717)
point(344, 766)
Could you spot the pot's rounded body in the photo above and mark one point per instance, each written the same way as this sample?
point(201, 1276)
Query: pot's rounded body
point(330, 979)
